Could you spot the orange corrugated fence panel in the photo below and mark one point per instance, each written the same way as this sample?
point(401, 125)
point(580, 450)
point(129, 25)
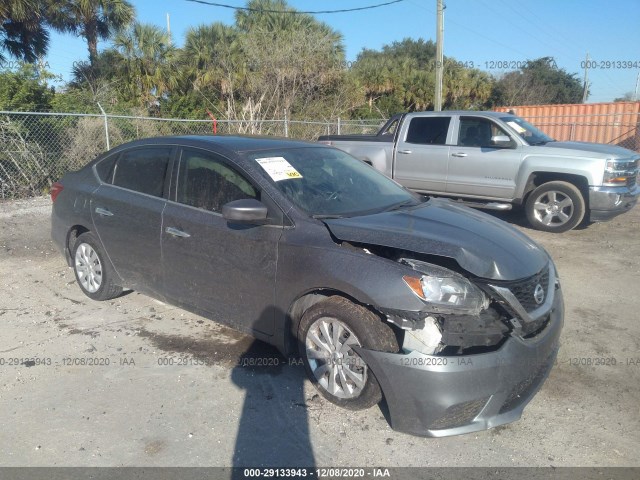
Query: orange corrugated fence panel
point(616, 123)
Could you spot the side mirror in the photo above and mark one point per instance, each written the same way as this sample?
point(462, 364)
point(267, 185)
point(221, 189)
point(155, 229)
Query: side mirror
point(247, 210)
point(502, 141)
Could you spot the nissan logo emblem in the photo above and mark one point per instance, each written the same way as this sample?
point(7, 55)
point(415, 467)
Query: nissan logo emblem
point(538, 294)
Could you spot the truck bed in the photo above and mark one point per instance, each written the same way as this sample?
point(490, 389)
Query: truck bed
point(356, 138)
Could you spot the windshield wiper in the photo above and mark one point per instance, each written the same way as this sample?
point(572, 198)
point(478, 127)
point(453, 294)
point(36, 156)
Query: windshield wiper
point(326, 217)
point(398, 206)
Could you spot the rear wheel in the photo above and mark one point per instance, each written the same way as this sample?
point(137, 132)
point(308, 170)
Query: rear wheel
point(327, 334)
point(93, 273)
point(555, 207)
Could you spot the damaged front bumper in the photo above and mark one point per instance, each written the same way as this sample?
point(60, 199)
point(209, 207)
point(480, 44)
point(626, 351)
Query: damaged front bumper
point(437, 396)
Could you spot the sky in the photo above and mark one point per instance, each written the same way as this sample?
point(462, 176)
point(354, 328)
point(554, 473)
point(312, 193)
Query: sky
point(486, 34)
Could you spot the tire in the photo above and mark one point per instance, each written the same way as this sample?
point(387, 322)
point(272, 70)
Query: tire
point(555, 207)
point(356, 326)
point(93, 272)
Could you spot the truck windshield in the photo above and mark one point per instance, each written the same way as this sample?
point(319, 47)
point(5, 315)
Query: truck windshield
point(329, 183)
point(531, 134)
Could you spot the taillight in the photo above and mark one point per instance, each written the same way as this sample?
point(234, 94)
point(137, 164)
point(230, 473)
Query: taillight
point(56, 188)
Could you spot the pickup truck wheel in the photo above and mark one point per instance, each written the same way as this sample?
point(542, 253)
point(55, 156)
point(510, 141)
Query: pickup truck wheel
point(327, 332)
point(555, 207)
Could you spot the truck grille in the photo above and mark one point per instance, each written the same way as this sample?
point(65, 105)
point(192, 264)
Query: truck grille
point(524, 290)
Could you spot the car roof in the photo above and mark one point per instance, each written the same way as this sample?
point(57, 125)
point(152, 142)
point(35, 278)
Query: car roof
point(235, 143)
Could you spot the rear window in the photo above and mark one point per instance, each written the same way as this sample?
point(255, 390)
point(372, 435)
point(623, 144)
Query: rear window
point(143, 170)
point(428, 130)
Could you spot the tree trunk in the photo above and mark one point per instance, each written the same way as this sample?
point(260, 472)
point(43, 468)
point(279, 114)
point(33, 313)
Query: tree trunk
point(91, 35)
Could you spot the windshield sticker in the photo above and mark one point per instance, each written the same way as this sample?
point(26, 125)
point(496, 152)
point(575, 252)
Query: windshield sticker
point(278, 168)
point(517, 127)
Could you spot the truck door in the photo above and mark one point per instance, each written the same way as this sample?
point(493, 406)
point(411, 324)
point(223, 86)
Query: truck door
point(479, 164)
point(422, 153)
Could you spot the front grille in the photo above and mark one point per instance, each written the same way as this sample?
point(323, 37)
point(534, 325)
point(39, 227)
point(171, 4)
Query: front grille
point(523, 289)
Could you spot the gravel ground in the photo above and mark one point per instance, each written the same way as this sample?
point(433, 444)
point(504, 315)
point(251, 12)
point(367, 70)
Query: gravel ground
point(135, 382)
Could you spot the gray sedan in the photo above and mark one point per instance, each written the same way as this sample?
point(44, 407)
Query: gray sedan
point(449, 314)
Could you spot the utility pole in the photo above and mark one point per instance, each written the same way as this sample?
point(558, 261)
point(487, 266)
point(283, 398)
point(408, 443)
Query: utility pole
point(635, 93)
point(585, 90)
point(169, 28)
point(439, 55)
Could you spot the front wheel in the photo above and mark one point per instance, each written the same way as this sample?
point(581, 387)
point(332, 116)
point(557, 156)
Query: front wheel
point(327, 334)
point(555, 207)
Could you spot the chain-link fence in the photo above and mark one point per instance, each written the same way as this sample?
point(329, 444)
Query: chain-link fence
point(36, 149)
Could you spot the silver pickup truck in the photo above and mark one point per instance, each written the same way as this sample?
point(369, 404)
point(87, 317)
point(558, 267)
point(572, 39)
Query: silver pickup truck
point(497, 160)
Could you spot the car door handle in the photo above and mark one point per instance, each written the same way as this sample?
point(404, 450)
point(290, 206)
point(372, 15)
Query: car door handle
point(104, 212)
point(176, 233)
point(459, 154)
point(404, 151)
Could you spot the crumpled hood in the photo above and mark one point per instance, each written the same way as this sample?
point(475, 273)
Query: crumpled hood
point(481, 244)
point(597, 148)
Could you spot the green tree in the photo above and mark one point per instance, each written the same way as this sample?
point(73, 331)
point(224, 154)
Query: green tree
point(401, 77)
point(92, 19)
point(539, 82)
point(25, 90)
point(374, 73)
point(23, 32)
point(627, 97)
point(212, 58)
point(144, 63)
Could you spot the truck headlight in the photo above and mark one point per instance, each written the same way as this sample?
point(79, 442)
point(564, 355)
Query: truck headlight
point(618, 172)
point(444, 290)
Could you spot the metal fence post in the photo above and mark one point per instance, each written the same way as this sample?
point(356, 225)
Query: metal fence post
point(106, 125)
point(286, 124)
point(339, 126)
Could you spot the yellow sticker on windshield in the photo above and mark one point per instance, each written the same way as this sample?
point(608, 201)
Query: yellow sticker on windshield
point(278, 168)
point(517, 127)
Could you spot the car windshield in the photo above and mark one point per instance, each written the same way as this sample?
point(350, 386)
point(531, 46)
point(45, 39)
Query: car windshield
point(531, 134)
point(329, 183)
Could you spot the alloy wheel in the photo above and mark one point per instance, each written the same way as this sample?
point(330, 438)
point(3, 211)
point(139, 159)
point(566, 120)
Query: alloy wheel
point(88, 268)
point(335, 365)
point(553, 208)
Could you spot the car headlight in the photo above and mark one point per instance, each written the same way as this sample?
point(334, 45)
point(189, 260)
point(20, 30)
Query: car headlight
point(444, 290)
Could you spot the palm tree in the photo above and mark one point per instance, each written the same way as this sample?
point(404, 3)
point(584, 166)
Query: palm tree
point(211, 53)
point(22, 29)
point(373, 75)
point(145, 62)
point(92, 19)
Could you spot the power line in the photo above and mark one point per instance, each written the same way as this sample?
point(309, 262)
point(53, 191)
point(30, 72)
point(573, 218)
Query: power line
point(294, 12)
point(469, 29)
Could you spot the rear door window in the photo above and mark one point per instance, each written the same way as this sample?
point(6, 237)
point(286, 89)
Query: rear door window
point(428, 130)
point(143, 170)
point(207, 181)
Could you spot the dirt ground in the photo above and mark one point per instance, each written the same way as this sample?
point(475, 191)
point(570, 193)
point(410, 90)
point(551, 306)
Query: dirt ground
point(135, 382)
